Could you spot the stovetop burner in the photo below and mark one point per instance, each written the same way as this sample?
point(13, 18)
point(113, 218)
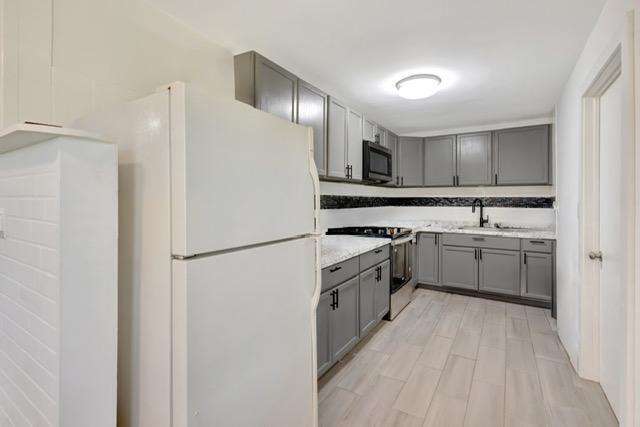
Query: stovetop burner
point(384, 232)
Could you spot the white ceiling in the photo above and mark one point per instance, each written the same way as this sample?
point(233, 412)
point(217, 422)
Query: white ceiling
point(500, 60)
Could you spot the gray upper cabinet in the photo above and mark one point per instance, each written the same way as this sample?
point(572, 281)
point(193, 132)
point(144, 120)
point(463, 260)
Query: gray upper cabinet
point(499, 271)
point(323, 338)
point(428, 258)
point(392, 144)
point(312, 111)
point(440, 161)
point(473, 159)
point(537, 275)
point(345, 327)
point(369, 130)
point(354, 144)
point(522, 156)
point(265, 85)
point(368, 315)
point(383, 287)
point(410, 159)
point(460, 267)
point(382, 136)
point(337, 141)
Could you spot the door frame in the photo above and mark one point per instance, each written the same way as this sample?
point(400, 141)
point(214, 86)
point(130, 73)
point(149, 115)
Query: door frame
point(620, 63)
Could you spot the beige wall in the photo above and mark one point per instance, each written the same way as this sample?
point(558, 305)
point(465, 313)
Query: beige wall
point(63, 59)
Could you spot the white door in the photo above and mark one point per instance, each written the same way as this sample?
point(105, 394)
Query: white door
point(613, 333)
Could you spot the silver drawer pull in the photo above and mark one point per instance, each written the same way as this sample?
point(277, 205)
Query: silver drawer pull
point(333, 270)
point(378, 251)
point(478, 239)
point(537, 242)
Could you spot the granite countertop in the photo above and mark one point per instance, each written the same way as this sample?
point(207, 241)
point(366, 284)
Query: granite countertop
point(336, 248)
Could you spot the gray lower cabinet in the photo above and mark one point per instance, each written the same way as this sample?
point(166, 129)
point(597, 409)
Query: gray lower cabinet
point(440, 161)
point(459, 267)
point(337, 140)
point(521, 155)
point(428, 258)
point(265, 85)
point(312, 109)
point(473, 159)
point(368, 315)
point(537, 275)
point(354, 144)
point(323, 337)
point(345, 328)
point(410, 161)
point(499, 271)
point(382, 297)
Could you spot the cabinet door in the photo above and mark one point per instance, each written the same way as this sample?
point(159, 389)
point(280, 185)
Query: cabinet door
point(337, 141)
point(383, 290)
point(473, 160)
point(323, 314)
point(537, 275)
point(312, 112)
point(522, 156)
point(354, 142)
point(410, 161)
point(428, 258)
point(392, 143)
point(440, 161)
point(459, 267)
point(382, 136)
point(344, 319)
point(368, 282)
point(369, 130)
point(499, 271)
point(275, 89)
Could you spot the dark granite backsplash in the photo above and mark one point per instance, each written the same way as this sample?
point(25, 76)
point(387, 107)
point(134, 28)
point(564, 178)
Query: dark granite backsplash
point(346, 202)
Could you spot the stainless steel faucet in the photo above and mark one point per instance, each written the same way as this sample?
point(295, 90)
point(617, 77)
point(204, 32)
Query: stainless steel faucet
point(483, 221)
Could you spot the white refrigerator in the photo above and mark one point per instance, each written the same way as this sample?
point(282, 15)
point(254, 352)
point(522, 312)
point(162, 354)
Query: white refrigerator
point(219, 262)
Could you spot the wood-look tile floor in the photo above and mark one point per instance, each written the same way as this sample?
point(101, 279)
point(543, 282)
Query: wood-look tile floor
point(450, 360)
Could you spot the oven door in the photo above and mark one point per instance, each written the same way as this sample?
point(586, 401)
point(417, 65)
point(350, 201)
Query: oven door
point(402, 262)
point(376, 162)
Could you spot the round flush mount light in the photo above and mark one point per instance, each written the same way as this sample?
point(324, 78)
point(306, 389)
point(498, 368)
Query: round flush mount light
point(418, 86)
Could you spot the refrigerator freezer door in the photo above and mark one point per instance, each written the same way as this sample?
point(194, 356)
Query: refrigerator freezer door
point(239, 176)
point(244, 335)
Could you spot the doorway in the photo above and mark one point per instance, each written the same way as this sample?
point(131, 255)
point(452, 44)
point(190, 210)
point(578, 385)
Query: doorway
point(607, 240)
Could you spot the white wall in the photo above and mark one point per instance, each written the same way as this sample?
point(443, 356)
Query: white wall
point(392, 215)
point(58, 288)
point(605, 36)
point(343, 189)
point(29, 288)
point(62, 59)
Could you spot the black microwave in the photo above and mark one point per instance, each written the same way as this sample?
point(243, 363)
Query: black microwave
point(376, 162)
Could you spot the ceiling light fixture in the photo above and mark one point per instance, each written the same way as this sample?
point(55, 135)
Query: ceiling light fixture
point(418, 86)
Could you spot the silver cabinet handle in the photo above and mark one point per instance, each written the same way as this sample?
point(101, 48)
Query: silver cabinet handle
point(333, 270)
point(478, 239)
point(537, 242)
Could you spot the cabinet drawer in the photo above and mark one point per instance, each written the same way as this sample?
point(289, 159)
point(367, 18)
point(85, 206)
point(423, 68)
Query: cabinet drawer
point(479, 241)
point(338, 273)
point(537, 245)
point(374, 257)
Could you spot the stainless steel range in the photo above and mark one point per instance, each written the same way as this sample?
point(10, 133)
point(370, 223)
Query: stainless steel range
point(402, 248)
